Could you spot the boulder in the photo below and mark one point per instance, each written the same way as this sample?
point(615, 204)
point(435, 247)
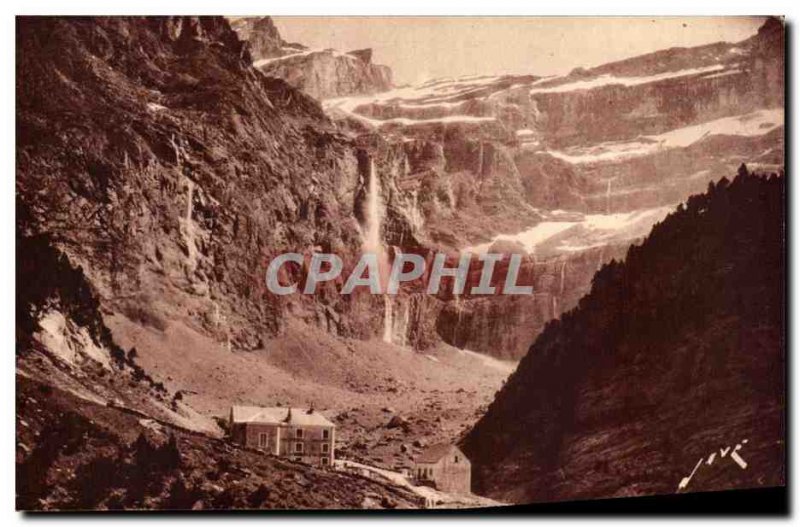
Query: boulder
point(398, 421)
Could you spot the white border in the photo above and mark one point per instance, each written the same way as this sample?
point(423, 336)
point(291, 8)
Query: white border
point(410, 7)
point(319, 7)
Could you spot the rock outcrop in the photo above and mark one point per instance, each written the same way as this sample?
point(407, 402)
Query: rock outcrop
point(74, 455)
point(323, 74)
point(262, 37)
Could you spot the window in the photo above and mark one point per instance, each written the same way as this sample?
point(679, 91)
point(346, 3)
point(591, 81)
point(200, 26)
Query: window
point(299, 433)
point(456, 460)
point(325, 448)
point(326, 434)
point(262, 439)
point(298, 448)
point(325, 461)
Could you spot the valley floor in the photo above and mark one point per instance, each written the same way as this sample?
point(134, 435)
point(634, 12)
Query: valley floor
point(388, 402)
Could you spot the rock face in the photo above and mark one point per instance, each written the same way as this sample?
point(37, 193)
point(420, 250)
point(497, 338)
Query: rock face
point(502, 326)
point(597, 139)
point(262, 37)
point(165, 206)
point(618, 146)
point(328, 73)
point(675, 354)
point(320, 73)
point(600, 140)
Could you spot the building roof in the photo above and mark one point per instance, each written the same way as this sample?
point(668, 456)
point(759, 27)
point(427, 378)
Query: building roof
point(278, 415)
point(434, 453)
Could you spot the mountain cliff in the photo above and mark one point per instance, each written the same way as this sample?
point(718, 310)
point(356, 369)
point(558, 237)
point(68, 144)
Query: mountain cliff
point(574, 168)
point(161, 172)
point(186, 166)
point(321, 73)
point(675, 354)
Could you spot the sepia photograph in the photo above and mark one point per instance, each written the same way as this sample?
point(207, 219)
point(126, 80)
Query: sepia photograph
point(485, 264)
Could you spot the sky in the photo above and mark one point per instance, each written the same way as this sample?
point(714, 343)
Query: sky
point(421, 48)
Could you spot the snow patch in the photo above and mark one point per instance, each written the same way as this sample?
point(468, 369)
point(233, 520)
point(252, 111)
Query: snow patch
point(592, 230)
point(608, 80)
point(724, 74)
point(68, 342)
point(747, 125)
point(529, 238)
point(305, 53)
point(349, 105)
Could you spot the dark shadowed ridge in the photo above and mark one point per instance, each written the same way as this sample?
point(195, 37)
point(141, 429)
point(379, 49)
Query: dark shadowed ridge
point(675, 353)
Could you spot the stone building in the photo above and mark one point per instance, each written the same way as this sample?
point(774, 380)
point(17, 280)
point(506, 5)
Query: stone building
point(445, 468)
point(301, 435)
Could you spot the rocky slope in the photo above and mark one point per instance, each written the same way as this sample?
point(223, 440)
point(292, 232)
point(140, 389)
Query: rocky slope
point(323, 73)
point(78, 455)
point(676, 354)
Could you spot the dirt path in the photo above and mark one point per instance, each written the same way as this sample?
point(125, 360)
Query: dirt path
point(432, 497)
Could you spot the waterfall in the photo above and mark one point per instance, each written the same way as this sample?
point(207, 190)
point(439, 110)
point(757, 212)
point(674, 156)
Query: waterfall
point(413, 212)
point(401, 329)
point(608, 196)
point(373, 244)
point(189, 199)
point(188, 225)
point(374, 214)
point(216, 315)
point(560, 288)
point(457, 305)
point(387, 319)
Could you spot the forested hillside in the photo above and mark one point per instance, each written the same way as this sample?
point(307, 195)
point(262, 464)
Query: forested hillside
point(675, 354)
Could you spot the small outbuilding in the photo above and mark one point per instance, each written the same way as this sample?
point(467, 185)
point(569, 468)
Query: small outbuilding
point(444, 467)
